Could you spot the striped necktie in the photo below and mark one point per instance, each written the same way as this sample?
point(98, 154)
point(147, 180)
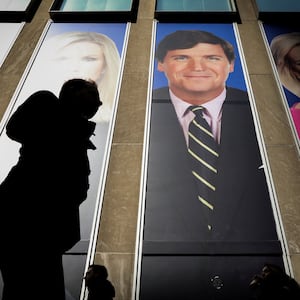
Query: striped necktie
point(203, 150)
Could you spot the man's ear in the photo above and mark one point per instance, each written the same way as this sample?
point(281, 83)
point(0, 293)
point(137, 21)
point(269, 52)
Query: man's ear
point(231, 68)
point(160, 67)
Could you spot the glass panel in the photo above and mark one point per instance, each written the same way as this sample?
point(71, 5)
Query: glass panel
point(278, 5)
point(193, 5)
point(96, 5)
point(8, 33)
point(14, 5)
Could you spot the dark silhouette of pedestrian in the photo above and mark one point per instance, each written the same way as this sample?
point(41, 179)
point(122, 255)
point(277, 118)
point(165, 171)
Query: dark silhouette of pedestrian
point(41, 195)
point(98, 286)
point(273, 283)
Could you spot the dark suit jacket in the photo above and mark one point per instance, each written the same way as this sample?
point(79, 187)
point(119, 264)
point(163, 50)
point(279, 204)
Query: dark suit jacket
point(243, 211)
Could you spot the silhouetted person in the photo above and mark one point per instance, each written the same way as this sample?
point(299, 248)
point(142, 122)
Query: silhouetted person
point(274, 283)
point(99, 287)
point(41, 195)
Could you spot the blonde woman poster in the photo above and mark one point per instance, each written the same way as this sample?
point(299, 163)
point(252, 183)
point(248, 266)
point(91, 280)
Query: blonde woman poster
point(86, 51)
point(284, 44)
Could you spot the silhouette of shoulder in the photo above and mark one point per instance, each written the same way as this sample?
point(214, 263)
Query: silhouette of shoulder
point(40, 108)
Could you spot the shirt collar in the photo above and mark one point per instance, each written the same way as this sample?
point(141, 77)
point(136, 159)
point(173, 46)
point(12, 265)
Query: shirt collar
point(213, 107)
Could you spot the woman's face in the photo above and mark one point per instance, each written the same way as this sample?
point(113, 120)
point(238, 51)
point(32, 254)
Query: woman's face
point(80, 60)
point(294, 60)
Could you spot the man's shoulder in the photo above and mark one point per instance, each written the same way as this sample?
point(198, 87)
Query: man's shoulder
point(45, 95)
point(41, 98)
point(161, 93)
point(40, 105)
point(236, 94)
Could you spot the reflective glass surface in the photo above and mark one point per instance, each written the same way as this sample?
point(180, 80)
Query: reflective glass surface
point(96, 5)
point(278, 5)
point(193, 5)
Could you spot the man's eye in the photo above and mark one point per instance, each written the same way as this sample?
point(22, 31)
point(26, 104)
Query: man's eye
point(214, 58)
point(180, 58)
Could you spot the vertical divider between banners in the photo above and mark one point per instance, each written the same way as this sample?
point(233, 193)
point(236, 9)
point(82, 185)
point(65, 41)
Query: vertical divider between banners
point(143, 182)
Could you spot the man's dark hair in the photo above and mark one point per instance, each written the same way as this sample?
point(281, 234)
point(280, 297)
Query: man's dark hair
point(185, 39)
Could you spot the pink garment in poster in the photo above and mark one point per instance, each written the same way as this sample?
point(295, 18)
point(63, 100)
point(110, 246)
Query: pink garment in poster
point(295, 111)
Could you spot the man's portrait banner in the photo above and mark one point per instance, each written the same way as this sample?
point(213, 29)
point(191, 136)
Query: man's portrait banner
point(207, 218)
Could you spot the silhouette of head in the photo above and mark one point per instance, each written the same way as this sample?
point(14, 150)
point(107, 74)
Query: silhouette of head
point(274, 283)
point(80, 98)
point(94, 274)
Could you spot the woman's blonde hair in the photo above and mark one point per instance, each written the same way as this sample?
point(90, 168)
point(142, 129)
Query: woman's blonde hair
point(108, 79)
point(280, 47)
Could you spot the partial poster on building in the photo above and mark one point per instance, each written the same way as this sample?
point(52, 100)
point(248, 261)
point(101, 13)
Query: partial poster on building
point(208, 222)
point(92, 51)
point(9, 33)
point(283, 43)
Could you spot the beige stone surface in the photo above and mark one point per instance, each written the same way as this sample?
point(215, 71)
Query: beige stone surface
point(246, 10)
point(286, 175)
point(120, 208)
point(271, 111)
point(254, 48)
point(120, 268)
point(17, 60)
point(295, 258)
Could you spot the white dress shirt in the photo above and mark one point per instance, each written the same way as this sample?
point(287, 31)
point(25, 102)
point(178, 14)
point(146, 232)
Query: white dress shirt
point(212, 114)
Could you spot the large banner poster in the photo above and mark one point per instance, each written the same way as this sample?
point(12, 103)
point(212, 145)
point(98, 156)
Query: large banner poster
point(208, 223)
point(66, 51)
point(284, 46)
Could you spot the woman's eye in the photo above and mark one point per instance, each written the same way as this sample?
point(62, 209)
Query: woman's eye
point(89, 58)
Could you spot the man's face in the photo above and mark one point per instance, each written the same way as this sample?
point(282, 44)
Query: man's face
point(197, 74)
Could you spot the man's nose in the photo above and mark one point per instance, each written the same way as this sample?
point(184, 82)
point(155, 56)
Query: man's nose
point(198, 64)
